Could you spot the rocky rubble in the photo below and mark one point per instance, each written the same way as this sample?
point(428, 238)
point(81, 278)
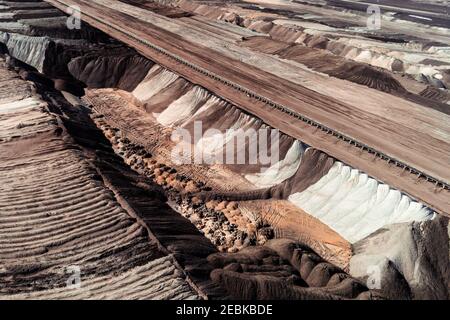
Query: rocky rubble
point(220, 221)
point(283, 269)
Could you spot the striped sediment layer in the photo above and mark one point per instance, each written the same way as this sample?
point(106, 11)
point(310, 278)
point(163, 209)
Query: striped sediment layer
point(339, 67)
point(61, 212)
point(285, 26)
point(326, 62)
point(76, 223)
point(345, 199)
point(351, 203)
point(38, 18)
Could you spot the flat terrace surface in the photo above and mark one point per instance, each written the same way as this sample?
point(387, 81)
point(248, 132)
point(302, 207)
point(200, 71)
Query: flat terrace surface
point(427, 149)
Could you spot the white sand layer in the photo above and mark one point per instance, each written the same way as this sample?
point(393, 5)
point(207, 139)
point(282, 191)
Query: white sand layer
point(184, 107)
point(155, 81)
point(280, 171)
point(355, 205)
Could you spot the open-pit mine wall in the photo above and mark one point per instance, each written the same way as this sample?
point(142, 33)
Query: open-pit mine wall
point(345, 199)
point(100, 231)
point(359, 50)
point(348, 200)
point(58, 216)
point(358, 207)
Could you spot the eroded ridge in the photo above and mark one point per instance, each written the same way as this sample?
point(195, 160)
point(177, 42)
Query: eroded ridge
point(56, 213)
point(333, 219)
point(308, 105)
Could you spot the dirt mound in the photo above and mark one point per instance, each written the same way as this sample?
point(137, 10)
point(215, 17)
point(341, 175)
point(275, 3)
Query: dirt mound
point(284, 270)
point(313, 166)
point(355, 205)
point(435, 94)
point(325, 62)
point(368, 76)
point(123, 70)
point(410, 259)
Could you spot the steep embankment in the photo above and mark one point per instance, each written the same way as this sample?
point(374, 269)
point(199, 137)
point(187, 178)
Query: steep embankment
point(356, 205)
point(92, 215)
point(152, 103)
point(345, 199)
point(407, 259)
point(58, 216)
point(349, 201)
